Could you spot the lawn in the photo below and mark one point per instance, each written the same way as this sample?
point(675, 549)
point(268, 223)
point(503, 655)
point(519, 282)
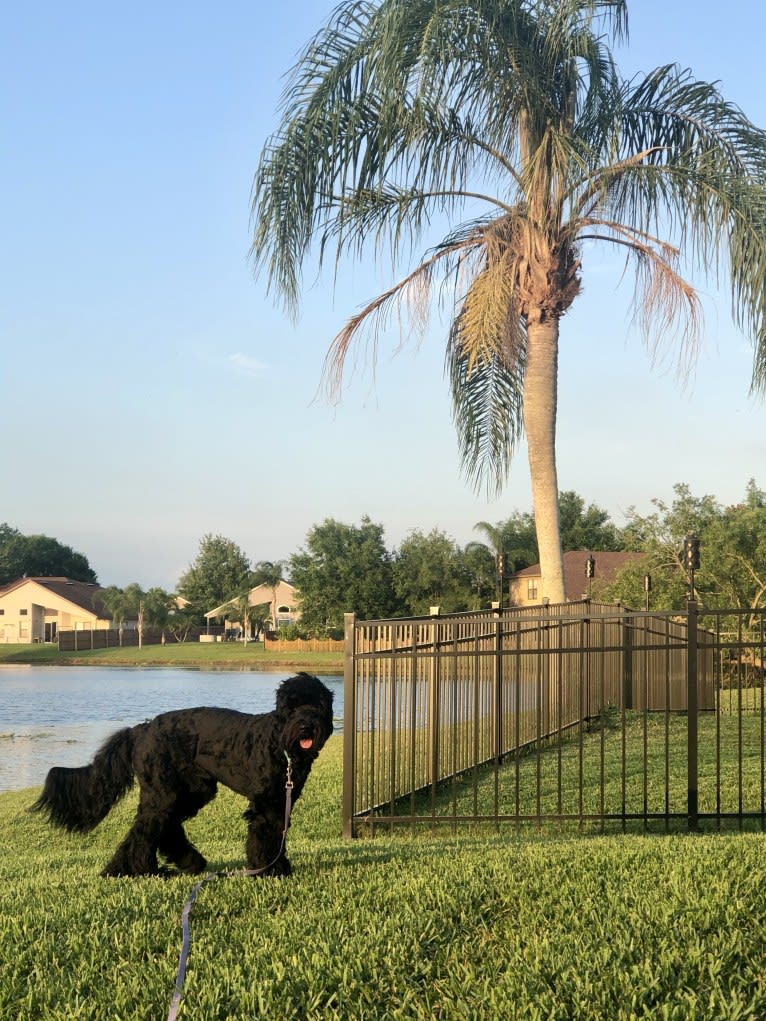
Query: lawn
point(469, 928)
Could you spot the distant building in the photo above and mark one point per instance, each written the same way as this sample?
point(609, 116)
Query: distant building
point(525, 587)
point(282, 602)
point(34, 609)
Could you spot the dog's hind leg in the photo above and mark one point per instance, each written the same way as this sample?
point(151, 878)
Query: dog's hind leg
point(137, 854)
point(173, 842)
point(179, 850)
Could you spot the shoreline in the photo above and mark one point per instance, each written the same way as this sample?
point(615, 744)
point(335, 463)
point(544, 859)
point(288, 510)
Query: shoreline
point(189, 655)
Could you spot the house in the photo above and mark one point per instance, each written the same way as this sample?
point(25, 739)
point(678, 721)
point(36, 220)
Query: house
point(282, 601)
point(34, 609)
point(524, 585)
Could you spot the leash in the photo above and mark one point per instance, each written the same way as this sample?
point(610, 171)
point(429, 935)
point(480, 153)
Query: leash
point(175, 1002)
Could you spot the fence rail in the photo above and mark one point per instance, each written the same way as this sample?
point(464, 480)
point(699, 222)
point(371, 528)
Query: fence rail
point(521, 715)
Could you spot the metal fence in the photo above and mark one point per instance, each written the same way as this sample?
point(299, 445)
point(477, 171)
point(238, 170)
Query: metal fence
point(584, 713)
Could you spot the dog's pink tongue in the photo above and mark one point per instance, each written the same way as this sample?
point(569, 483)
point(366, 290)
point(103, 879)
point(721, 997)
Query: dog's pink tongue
point(305, 743)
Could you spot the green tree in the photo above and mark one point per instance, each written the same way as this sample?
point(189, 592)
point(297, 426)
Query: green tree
point(586, 527)
point(479, 564)
point(514, 113)
point(514, 536)
point(581, 528)
point(116, 603)
point(269, 573)
point(734, 553)
point(342, 568)
point(430, 570)
point(39, 556)
point(147, 609)
point(660, 536)
point(220, 571)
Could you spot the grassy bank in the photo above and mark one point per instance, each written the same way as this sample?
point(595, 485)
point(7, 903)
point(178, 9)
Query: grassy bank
point(213, 656)
point(508, 927)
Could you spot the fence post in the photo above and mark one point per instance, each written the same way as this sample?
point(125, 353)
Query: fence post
point(349, 722)
point(498, 684)
point(433, 704)
point(691, 707)
point(627, 657)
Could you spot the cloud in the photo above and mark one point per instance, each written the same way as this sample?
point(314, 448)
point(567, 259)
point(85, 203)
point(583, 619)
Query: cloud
point(247, 366)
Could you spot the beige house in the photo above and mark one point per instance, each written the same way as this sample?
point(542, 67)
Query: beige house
point(34, 609)
point(282, 601)
point(524, 586)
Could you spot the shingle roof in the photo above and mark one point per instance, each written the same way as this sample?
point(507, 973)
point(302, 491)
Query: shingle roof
point(82, 593)
point(608, 565)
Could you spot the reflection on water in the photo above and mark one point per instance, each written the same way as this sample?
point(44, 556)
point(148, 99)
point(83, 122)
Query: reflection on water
point(58, 716)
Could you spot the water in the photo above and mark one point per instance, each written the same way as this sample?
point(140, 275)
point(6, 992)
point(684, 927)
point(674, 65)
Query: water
point(58, 716)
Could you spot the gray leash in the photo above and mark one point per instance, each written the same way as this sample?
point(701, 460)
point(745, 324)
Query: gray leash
point(175, 1002)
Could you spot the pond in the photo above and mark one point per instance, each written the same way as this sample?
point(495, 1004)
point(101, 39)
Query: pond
point(58, 716)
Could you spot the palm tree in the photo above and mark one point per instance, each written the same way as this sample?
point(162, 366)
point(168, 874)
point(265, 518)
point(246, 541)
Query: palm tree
point(269, 573)
point(513, 115)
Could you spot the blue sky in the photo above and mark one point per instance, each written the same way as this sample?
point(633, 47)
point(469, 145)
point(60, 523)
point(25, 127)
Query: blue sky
point(152, 392)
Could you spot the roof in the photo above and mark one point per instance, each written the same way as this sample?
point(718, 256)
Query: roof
point(80, 593)
point(258, 595)
point(608, 565)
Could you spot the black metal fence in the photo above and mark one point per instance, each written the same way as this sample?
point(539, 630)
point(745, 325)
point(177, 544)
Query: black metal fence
point(584, 713)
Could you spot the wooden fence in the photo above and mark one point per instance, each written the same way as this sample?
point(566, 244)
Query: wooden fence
point(303, 645)
point(113, 638)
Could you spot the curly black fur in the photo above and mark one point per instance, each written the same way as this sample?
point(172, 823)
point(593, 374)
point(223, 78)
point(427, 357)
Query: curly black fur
point(179, 758)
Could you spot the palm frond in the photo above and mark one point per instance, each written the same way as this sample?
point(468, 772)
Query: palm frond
point(485, 363)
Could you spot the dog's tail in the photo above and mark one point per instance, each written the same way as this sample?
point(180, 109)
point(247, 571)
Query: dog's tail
point(78, 799)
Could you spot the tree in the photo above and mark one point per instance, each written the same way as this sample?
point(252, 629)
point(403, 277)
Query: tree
point(514, 113)
point(430, 570)
point(150, 609)
point(269, 573)
point(40, 556)
point(660, 536)
point(514, 536)
point(734, 553)
point(480, 566)
point(586, 527)
point(342, 568)
point(219, 572)
point(581, 528)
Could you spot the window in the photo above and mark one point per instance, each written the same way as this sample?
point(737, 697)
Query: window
point(23, 613)
point(532, 589)
point(2, 612)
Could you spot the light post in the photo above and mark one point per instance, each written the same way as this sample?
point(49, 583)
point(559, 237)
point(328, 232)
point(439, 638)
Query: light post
point(691, 560)
point(590, 571)
point(647, 589)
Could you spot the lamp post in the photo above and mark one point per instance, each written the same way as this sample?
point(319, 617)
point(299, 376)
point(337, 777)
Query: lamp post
point(691, 560)
point(590, 571)
point(647, 589)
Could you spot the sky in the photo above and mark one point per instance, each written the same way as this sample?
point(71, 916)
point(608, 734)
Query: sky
point(152, 391)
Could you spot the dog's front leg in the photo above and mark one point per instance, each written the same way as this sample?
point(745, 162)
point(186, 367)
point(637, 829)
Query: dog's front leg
point(266, 848)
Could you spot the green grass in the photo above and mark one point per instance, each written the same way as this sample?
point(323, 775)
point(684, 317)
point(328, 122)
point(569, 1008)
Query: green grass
point(469, 928)
point(607, 779)
point(205, 656)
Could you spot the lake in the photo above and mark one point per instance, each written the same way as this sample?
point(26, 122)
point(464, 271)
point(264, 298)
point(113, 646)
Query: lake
point(58, 716)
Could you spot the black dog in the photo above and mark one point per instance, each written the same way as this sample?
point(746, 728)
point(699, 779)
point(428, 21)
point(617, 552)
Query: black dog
point(179, 758)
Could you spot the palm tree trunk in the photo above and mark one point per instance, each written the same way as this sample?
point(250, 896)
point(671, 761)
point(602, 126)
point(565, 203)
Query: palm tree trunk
point(540, 402)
